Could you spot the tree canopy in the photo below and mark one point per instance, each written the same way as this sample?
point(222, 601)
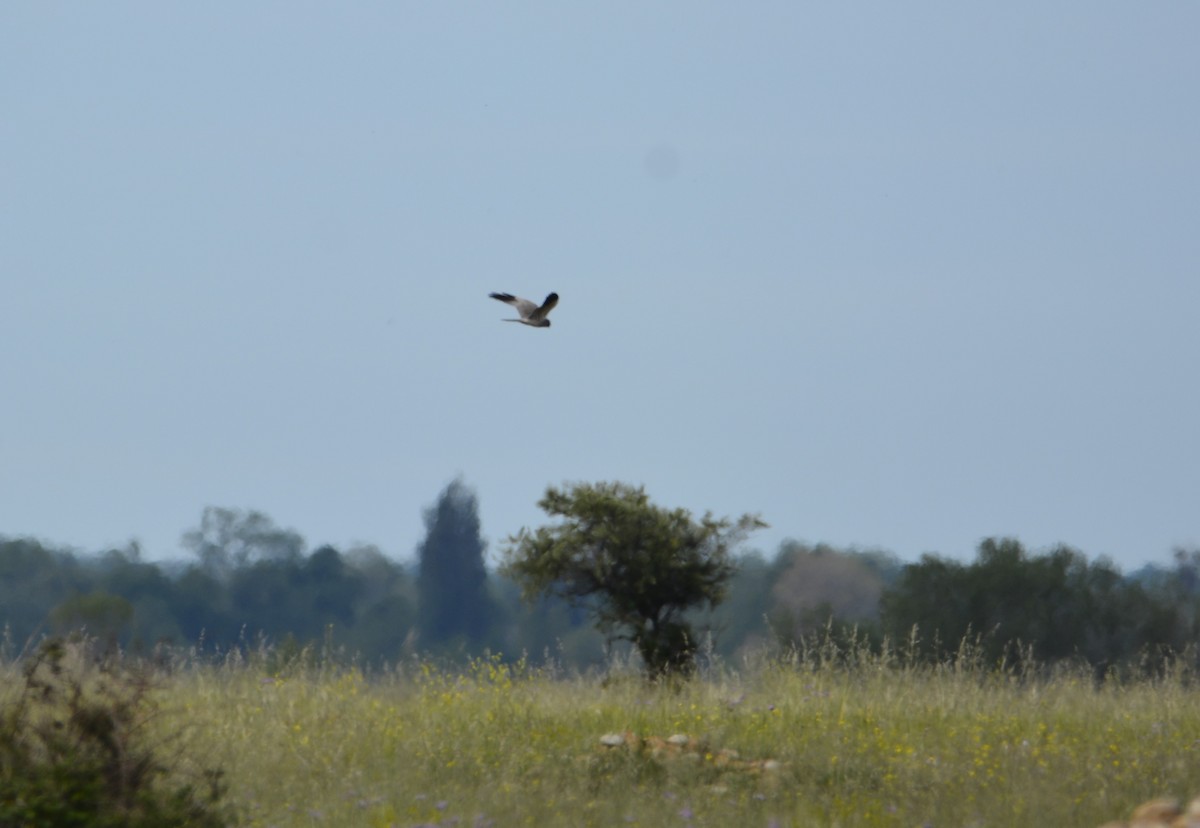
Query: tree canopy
point(637, 566)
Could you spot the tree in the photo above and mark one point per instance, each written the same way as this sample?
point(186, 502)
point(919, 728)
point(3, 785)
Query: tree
point(230, 538)
point(452, 598)
point(203, 608)
point(333, 589)
point(638, 567)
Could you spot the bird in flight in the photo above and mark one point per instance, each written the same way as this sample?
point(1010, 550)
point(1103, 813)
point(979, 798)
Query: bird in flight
point(531, 314)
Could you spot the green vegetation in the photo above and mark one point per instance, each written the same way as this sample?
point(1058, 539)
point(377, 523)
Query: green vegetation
point(612, 574)
point(1055, 607)
point(79, 747)
point(837, 734)
point(638, 567)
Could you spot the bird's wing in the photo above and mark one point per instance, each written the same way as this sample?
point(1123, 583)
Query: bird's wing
point(540, 313)
point(523, 306)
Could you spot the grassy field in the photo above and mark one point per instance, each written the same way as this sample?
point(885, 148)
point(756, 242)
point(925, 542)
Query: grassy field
point(829, 739)
point(804, 743)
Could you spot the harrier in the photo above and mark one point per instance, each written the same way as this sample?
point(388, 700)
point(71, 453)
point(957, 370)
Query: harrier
point(531, 314)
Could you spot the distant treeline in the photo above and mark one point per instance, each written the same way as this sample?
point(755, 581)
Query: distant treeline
point(250, 583)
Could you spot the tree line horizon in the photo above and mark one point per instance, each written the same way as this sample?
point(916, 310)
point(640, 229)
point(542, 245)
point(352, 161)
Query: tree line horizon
point(615, 574)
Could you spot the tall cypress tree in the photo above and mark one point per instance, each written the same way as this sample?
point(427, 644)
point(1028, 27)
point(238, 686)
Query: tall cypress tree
point(452, 600)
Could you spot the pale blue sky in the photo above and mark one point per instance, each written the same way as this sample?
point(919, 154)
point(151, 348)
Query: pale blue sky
point(892, 275)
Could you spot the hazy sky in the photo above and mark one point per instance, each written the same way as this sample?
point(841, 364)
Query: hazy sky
point(896, 275)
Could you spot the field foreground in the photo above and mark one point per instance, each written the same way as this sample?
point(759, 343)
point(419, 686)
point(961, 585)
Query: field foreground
point(868, 742)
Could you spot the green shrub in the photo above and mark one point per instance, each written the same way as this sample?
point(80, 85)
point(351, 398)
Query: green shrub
point(75, 749)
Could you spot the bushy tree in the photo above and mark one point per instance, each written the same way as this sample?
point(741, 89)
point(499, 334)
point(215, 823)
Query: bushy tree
point(452, 597)
point(638, 567)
